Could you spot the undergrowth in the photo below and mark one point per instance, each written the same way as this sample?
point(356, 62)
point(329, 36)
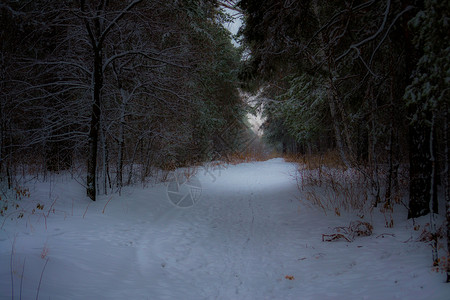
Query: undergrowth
point(250, 156)
point(327, 183)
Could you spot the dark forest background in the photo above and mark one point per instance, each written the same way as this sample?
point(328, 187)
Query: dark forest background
point(114, 90)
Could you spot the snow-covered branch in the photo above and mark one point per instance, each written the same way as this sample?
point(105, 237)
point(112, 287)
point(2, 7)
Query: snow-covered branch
point(146, 54)
point(115, 21)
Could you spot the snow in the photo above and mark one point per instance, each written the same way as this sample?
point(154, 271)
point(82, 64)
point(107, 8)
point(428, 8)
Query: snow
point(250, 235)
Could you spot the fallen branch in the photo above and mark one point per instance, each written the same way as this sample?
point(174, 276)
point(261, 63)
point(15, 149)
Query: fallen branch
point(356, 228)
point(334, 237)
point(383, 234)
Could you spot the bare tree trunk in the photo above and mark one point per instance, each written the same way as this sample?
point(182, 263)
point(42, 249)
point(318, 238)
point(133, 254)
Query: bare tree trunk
point(345, 131)
point(95, 124)
point(337, 131)
point(130, 174)
point(119, 182)
point(446, 182)
point(105, 161)
point(121, 145)
point(2, 130)
point(97, 32)
point(331, 97)
point(374, 178)
point(389, 178)
point(148, 162)
point(433, 202)
point(419, 171)
point(97, 82)
point(393, 164)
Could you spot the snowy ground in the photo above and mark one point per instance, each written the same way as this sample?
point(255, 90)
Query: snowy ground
point(249, 236)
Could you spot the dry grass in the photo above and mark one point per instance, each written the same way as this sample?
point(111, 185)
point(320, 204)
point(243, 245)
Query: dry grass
point(250, 156)
point(329, 159)
point(327, 183)
point(334, 189)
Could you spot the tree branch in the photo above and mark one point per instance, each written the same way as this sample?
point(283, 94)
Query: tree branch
point(116, 19)
point(141, 53)
point(380, 29)
point(389, 29)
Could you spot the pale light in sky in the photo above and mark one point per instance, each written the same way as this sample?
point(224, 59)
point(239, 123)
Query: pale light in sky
point(234, 26)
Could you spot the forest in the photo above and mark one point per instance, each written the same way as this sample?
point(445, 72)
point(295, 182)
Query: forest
point(111, 84)
point(113, 92)
point(368, 79)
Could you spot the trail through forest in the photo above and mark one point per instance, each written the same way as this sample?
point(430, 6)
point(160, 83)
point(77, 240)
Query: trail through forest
point(250, 235)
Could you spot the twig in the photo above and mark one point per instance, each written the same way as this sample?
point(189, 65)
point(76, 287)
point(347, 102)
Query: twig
point(380, 29)
point(45, 220)
point(86, 209)
point(51, 206)
point(385, 35)
point(383, 234)
point(103, 211)
point(333, 237)
point(11, 266)
point(40, 279)
point(21, 277)
point(342, 228)
point(408, 240)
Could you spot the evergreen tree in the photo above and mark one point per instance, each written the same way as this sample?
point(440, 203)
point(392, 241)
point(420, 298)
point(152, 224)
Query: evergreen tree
point(357, 54)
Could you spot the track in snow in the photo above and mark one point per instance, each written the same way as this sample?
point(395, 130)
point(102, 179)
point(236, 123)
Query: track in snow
point(232, 242)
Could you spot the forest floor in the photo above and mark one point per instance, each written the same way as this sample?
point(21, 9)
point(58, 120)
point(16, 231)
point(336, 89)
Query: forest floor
point(250, 235)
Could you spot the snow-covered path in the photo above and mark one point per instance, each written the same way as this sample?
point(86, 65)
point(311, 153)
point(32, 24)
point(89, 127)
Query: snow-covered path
point(249, 236)
point(232, 242)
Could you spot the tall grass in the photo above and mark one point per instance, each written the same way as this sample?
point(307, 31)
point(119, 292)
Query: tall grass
point(325, 182)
